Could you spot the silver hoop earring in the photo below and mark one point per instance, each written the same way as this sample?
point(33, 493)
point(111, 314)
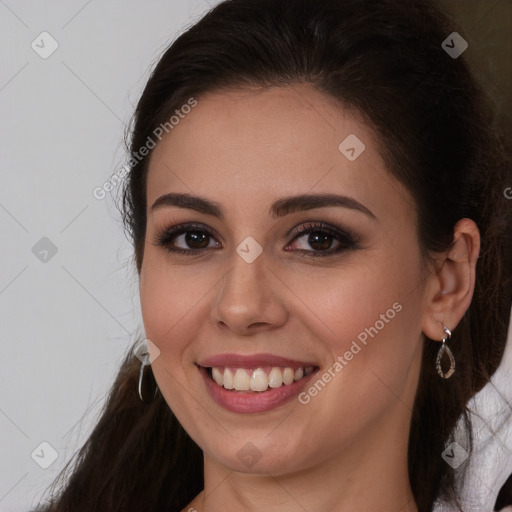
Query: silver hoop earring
point(142, 353)
point(141, 378)
point(445, 349)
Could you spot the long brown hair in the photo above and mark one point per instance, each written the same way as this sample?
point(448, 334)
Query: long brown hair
point(383, 59)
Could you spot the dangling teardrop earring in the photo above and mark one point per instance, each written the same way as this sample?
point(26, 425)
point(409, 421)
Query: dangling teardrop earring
point(444, 348)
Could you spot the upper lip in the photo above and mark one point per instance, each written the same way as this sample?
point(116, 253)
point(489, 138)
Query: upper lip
point(252, 361)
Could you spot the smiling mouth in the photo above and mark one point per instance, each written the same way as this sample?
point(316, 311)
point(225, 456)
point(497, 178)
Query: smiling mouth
point(257, 380)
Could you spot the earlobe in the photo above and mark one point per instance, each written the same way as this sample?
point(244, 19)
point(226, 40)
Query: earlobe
point(450, 288)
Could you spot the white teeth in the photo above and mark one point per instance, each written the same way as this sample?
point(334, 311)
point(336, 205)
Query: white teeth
point(217, 376)
point(228, 379)
point(259, 380)
point(288, 376)
point(243, 379)
point(275, 378)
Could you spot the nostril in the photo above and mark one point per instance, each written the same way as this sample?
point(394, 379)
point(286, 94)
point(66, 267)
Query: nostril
point(257, 324)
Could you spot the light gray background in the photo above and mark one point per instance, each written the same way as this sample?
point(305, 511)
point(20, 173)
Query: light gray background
point(66, 323)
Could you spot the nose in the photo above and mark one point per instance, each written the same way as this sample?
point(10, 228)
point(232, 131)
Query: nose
point(248, 299)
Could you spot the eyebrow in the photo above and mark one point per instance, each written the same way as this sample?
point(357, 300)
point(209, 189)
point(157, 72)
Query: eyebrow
point(279, 208)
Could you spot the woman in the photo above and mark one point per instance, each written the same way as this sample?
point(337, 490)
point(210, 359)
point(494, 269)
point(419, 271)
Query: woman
point(316, 204)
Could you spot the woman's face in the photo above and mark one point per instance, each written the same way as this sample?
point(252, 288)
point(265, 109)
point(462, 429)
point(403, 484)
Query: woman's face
point(344, 294)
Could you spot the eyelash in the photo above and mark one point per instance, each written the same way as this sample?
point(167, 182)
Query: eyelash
point(347, 240)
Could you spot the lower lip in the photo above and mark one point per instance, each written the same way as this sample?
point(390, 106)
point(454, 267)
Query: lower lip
point(238, 401)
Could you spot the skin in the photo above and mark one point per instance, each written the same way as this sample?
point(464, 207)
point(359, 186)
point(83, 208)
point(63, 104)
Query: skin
point(346, 449)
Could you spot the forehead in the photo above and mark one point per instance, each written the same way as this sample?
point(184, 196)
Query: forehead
point(262, 143)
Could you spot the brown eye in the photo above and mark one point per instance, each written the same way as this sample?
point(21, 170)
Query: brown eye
point(187, 239)
point(320, 239)
point(197, 239)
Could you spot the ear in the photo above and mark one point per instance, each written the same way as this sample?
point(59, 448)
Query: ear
point(450, 287)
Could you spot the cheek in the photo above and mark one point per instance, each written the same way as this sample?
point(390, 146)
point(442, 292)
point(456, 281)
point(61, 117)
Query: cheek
point(382, 316)
point(157, 312)
point(165, 299)
point(175, 304)
point(167, 292)
point(369, 320)
point(362, 302)
point(169, 302)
